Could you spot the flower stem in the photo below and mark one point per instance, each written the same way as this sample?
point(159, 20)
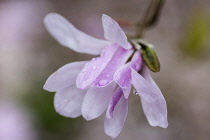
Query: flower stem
point(150, 18)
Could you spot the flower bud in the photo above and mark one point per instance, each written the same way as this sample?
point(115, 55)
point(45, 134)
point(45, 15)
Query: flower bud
point(148, 54)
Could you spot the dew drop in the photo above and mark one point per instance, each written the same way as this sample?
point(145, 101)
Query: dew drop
point(103, 82)
point(107, 75)
point(117, 78)
point(84, 70)
point(94, 67)
point(135, 92)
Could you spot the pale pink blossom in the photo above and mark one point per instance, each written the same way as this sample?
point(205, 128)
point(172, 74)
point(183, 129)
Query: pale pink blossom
point(89, 88)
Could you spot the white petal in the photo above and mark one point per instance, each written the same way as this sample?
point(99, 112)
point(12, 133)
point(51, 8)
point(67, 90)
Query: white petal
point(96, 101)
point(113, 32)
point(64, 77)
point(114, 126)
point(69, 36)
point(156, 112)
point(142, 87)
point(68, 101)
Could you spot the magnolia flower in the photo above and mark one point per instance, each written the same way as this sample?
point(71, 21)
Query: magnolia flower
point(89, 88)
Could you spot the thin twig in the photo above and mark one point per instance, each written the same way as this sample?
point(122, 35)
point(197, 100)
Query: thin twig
point(151, 16)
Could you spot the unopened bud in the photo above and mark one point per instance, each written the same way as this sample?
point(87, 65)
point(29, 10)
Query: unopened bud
point(148, 54)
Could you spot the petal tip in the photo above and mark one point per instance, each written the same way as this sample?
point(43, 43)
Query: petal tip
point(127, 46)
point(111, 134)
point(163, 123)
point(104, 16)
point(49, 17)
point(87, 118)
point(47, 87)
point(87, 115)
point(126, 96)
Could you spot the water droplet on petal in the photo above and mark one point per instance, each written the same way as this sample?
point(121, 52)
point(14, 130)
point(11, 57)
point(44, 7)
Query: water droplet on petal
point(94, 67)
point(107, 75)
point(135, 92)
point(103, 82)
point(117, 78)
point(84, 70)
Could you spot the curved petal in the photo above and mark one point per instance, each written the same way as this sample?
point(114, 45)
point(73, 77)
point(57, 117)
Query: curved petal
point(68, 101)
point(142, 87)
point(107, 75)
point(136, 62)
point(96, 101)
point(69, 36)
point(99, 72)
point(64, 77)
point(123, 78)
point(123, 75)
point(93, 68)
point(114, 126)
point(113, 32)
point(156, 112)
point(113, 102)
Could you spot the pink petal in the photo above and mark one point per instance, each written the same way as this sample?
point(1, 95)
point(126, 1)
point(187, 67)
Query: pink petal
point(114, 126)
point(142, 87)
point(136, 61)
point(69, 36)
point(123, 75)
point(113, 32)
point(113, 102)
point(123, 78)
point(64, 77)
point(96, 101)
point(68, 101)
point(93, 68)
point(107, 75)
point(156, 112)
point(99, 72)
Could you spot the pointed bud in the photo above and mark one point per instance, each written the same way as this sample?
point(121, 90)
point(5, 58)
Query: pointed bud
point(148, 54)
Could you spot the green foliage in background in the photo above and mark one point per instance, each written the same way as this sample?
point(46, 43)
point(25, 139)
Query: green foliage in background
point(196, 34)
point(49, 124)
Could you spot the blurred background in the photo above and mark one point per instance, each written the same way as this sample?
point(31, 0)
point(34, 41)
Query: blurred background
point(28, 55)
